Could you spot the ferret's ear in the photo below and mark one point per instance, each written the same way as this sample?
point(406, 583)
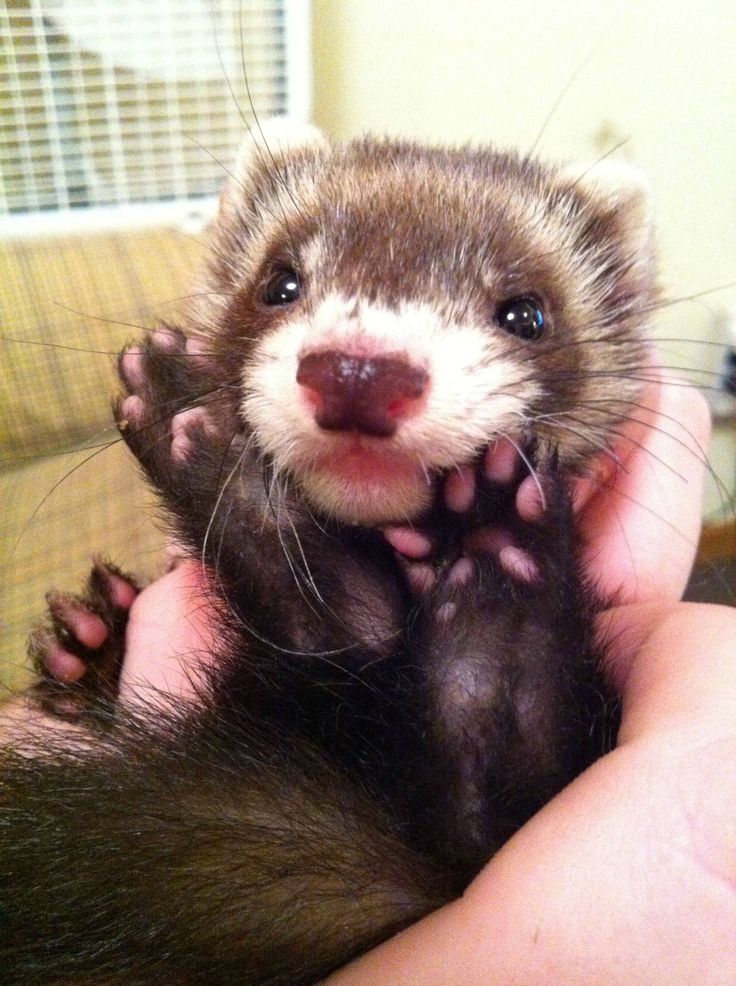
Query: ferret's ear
point(273, 139)
point(265, 145)
point(621, 191)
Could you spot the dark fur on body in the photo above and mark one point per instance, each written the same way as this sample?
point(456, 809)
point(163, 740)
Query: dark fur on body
point(355, 759)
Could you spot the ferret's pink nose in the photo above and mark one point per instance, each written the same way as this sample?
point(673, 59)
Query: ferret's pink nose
point(359, 393)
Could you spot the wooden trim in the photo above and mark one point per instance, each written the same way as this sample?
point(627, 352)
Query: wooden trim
point(718, 541)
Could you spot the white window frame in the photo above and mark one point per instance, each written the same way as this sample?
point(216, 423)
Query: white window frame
point(190, 214)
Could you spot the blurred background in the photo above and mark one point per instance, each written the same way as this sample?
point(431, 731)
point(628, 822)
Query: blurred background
point(118, 119)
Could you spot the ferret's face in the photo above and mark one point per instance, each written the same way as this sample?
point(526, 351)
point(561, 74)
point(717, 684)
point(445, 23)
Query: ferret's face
point(389, 310)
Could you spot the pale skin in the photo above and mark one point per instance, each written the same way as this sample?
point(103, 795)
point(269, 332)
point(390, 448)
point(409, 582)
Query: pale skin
point(629, 875)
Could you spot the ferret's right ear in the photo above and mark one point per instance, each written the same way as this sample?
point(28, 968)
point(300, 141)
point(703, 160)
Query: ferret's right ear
point(265, 146)
point(621, 192)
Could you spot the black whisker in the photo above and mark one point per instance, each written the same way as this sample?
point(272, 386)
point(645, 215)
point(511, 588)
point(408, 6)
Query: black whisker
point(53, 489)
point(59, 345)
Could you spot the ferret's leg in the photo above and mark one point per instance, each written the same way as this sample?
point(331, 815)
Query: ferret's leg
point(78, 652)
point(515, 701)
point(170, 392)
point(285, 583)
point(181, 424)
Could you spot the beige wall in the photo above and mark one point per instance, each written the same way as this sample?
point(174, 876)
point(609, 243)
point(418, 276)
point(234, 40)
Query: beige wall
point(659, 72)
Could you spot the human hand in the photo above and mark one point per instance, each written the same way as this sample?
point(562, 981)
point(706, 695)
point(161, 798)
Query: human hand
point(629, 875)
point(641, 519)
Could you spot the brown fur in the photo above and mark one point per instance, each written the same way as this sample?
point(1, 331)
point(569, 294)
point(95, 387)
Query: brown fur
point(391, 223)
point(358, 755)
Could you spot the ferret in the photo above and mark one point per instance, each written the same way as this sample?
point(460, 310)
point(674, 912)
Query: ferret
point(396, 363)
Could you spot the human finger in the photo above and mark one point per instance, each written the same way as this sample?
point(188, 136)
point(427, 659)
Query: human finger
point(171, 640)
point(641, 529)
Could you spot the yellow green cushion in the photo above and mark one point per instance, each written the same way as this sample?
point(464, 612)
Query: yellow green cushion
point(68, 305)
point(62, 302)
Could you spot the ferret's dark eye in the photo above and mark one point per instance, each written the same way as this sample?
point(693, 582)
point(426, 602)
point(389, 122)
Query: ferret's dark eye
point(282, 289)
point(521, 317)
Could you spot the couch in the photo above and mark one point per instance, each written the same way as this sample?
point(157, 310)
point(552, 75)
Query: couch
point(68, 488)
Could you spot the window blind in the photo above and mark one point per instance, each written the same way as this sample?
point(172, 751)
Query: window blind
point(117, 102)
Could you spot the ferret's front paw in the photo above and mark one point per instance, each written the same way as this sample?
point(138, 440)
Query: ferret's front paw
point(503, 633)
point(79, 651)
point(162, 418)
point(496, 509)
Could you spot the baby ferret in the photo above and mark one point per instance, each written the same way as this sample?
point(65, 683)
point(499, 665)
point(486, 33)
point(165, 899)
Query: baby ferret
point(398, 358)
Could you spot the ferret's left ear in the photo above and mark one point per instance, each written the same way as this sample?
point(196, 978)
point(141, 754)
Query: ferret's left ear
point(274, 138)
point(265, 146)
point(621, 191)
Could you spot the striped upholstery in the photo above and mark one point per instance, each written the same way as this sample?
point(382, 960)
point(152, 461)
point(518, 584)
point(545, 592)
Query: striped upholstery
point(66, 493)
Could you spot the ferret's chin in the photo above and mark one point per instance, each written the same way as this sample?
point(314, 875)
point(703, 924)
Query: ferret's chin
point(367, 499)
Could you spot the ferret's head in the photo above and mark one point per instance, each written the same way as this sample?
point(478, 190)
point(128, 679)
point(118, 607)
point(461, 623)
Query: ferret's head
point(389, 309)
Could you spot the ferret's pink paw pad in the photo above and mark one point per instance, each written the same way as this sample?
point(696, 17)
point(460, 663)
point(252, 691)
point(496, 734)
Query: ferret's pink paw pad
point(460, 489)
point(462, 572)
point(501, 461)
point(409, 542)
point(183, 426)
point(530, 500)
point(131, 368)
point(78, 622)
point(421, 578)
point(131, 412)
point(446, 612)
point(165, 339)
point(519, 564)
point(63, 666)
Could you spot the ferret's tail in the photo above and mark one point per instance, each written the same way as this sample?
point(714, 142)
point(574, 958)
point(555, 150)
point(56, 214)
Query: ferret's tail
point(194, 854)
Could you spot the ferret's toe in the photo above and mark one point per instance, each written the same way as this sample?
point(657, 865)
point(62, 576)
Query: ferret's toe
point(460, 489)
point(132, 371)
point(184, 426)
point(421, 578)
point(75, 623)
point(501, 462)
point(462, 572)
point(58, 662)
point(111, 586)
point(78, 652)
point(168, 339)
point(531, 502)
point(130, 412)
point(408, 541)
point(413, 549)
point(519, 564)
point(500, 544)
